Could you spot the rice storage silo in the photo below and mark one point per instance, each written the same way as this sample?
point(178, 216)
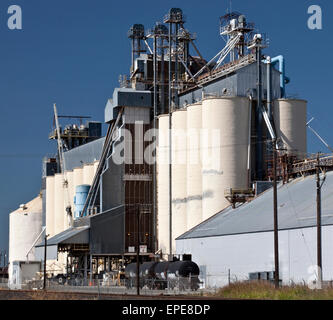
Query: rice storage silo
point(59, 204)
point(290, 116)
point(96, 163)
point(224, 148)
point(77, 177)
point(25, 225)
point(179, 175)
point(69, 197)
point(50, 205)
point(194, 170)
point(88, 173)
point(162, 160)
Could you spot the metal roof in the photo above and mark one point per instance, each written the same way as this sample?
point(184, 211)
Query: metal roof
point(79, 235)
point(296, 209)
point(86, 154)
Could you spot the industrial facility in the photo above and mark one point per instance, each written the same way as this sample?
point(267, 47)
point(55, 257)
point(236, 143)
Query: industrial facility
point(184, 172)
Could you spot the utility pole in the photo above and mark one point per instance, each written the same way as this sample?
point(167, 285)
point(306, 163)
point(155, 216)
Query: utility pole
point(319, 250)
point(276, 231)
point(138, 251)
point(45, 255)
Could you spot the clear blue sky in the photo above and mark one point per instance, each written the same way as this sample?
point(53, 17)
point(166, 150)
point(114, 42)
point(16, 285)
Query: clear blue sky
point(72, 52)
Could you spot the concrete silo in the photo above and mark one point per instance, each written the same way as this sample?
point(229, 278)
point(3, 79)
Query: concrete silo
point(88, 173)
point(25, 226)
point(77, 177)
point(179, 173)
point(224, 149)
point(50, 205)
point(162, 158)
point(194, 169)
point(69, 196)
point(59, 204)
point(290, 121)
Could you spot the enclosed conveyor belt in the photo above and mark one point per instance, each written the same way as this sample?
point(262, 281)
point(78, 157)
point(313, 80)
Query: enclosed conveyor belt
point(107, 145)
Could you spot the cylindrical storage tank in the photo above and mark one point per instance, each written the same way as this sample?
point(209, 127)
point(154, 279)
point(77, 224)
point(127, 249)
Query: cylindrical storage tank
point(25, 225)
point(81, 193)
point(69, 197)
point(179, 175)
point(193, 171)
point(77, 177)
point(290, 120)
point(88, 173)
point(50, 205)
point(161, 270)
point(59, 204)
point(96, 163)
point(162, 160)
point(224, 149)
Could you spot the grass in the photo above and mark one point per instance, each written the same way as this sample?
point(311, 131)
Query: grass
point(266, 291)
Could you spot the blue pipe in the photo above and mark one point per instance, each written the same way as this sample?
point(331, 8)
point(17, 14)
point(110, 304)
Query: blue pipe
point(283, 79)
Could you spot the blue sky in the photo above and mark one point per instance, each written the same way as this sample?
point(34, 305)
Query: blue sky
point(72, 52)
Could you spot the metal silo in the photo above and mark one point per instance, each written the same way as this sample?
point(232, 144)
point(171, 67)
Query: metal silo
point(25, 225)
point(59, 204)
point(50, 205)
point(163, 184)
point(224, 149)
point(290, 121)
point(179, 173)
point(194, 169)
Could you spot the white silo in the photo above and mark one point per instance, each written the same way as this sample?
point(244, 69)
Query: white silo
point(25, 226)
point(59, 204)
point(179, 173)
point(224, 148)
point(77, 177)
point(88, 173)
point(162, 158)
point(194, 173)
point(96, 163)
point(69, 197)
point(290, 120)
point(50, 205)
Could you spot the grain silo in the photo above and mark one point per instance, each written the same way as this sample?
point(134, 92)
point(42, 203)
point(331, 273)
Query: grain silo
point(224, 150)
point(25, 225)
point(193, 171)
point(59, 204)
point(290, 120)
point(69, 197)
point(163, 184)
point(77, 176)
point(88, 173)
point(50, 205)
point(179, 175)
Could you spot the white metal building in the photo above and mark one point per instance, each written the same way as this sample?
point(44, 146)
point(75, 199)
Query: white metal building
point(240, 241)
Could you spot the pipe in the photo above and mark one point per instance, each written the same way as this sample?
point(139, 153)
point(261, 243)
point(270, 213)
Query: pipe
point(170, 145)
point(259, 120)
point(283, 79)
point(269, 88)
point(249, 143)
point(154, 126)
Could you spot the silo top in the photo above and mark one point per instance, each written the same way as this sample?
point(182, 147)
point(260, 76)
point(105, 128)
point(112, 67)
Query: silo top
point(82, 188)
point(35, 205)
point(291, 99)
